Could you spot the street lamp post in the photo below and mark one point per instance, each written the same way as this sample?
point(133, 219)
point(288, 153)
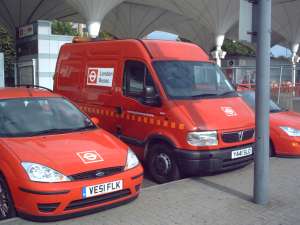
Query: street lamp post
point(261, 164)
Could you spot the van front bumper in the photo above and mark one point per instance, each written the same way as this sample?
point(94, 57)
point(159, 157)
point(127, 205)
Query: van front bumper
point(199, 162)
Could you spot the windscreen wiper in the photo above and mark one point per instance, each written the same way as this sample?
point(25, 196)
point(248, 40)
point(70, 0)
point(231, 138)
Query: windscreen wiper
point(92, 126)
point(52, 131)
point(204, 95)
point(227, 93)
point(60, 131)
point(277, 110)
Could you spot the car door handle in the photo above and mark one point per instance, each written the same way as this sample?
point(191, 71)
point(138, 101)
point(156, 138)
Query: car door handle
point(119, 110)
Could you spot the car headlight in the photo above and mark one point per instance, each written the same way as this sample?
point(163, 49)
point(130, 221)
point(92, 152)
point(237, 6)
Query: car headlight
point(291, 131)
point(40, 173)
point(132, 160)
point(207, 138)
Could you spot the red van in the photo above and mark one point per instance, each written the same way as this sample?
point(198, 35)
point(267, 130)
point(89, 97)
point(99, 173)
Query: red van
point(165, 99)
point(55, 162)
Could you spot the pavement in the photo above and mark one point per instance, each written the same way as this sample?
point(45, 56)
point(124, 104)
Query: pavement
point(223, 199)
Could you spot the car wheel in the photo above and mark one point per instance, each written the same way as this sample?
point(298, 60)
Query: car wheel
point(6, 205)
point(162, 165)
point(272, 150)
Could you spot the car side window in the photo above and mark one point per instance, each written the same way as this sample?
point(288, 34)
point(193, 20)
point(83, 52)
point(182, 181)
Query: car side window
point(136, 78)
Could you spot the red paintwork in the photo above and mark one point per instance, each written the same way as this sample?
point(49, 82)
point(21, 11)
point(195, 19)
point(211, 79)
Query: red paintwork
point(284, 144)
point(171, 50)
point(8, 93)
point(59, 153)
point(172, 121)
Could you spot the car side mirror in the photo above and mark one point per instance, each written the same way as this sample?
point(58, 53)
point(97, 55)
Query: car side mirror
point(95, 120)
point(150, 97)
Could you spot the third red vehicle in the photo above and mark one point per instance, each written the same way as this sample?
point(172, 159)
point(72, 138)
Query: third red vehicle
point(284, 128)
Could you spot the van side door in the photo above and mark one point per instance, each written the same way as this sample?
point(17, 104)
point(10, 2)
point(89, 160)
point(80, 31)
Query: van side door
point(138, 117)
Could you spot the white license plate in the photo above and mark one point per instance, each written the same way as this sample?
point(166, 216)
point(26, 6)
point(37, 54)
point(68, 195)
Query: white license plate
point(241, 153)
point(101, 189)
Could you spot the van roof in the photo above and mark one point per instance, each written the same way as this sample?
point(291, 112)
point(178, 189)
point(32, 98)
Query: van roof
point(165, 50)
point(157, 49)
point(14, 93)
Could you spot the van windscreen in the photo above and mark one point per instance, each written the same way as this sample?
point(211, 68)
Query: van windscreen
point(192, 80)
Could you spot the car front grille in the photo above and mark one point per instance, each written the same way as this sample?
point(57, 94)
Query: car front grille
point(77, 204)
point(49, 207)
point(95, 174)
point(237, 136)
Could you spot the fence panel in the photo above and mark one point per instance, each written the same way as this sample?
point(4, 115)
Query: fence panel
point(282, 90)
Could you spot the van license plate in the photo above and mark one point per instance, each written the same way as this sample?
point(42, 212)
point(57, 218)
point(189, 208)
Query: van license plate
point(101, 189)
point(241, 153)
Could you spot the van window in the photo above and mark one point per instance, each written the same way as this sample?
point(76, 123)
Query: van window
point(136, 77)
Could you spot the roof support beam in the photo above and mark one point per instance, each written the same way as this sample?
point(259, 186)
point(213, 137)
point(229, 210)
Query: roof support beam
point(34, 11)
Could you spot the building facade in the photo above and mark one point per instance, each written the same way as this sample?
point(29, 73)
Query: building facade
point(37, 52)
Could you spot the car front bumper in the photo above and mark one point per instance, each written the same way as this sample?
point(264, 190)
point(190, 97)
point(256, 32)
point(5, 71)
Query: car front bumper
point(199, 162)
point(51, 202)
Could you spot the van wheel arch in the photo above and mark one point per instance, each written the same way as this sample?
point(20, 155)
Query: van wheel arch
point(161, 161)
point(154, 139)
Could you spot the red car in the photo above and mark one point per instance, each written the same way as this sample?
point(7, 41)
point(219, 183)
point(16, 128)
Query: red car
point(55, 162)
point(284, 128)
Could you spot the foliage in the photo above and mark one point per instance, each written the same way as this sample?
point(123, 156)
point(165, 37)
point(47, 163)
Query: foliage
point(105, 36)
point(63, 28)
point(7, 46)
point(66, 28)
point(237, 48)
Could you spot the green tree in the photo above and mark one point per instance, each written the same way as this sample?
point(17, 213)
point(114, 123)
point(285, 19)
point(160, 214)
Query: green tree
point(105, 36)
point(7, 46)
point(63, 28)
point(237, 48)
point(66, 28)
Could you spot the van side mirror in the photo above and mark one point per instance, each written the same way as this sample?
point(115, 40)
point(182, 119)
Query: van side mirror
point(150, 97)
point(95, 120)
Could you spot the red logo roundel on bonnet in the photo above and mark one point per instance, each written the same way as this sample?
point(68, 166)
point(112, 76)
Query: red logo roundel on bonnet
point(90, 157)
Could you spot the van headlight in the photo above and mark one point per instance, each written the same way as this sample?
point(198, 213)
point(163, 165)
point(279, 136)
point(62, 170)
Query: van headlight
point(40, 173)
point(291, 131)
point(132, 160)
point(206, 138)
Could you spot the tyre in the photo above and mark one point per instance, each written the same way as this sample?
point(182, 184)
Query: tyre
point(7, 209)
point(272, 150)
point(162, 164)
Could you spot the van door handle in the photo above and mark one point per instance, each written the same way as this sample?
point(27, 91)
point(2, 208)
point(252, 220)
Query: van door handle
point(119, 110)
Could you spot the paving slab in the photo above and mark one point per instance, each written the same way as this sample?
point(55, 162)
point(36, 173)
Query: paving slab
point(223, 199)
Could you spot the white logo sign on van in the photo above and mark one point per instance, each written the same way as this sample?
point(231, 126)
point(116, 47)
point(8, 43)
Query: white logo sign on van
point(89, 157)
point(100, 76)
point(229, 111)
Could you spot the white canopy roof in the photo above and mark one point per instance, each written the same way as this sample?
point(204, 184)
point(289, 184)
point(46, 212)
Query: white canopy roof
point(286, 20)
point(218, 16)
point(133, 20)
point(197, 20)
point(15, 13)
point(94, 10)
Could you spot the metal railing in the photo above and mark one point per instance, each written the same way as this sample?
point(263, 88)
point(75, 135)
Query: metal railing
point(282, 89)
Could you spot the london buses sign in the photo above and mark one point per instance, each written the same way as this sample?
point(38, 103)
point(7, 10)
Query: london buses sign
point(100, 76)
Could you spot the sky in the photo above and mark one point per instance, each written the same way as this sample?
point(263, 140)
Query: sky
point(162, 35)
point(277, 50)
